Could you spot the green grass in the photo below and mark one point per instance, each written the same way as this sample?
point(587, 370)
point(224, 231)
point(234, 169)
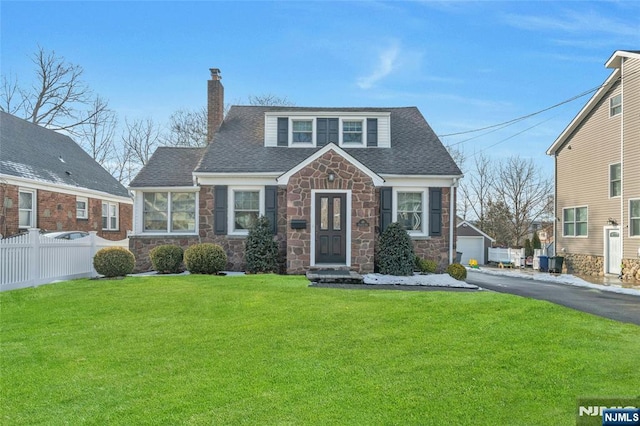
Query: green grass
point(271, 350)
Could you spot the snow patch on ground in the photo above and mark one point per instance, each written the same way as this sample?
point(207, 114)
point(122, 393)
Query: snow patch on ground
point(431, 280)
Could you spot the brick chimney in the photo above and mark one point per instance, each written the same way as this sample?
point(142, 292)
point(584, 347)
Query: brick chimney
point(215, 103)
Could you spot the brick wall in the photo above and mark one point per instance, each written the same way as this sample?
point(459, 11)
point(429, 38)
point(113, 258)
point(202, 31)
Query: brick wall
point(57, 212)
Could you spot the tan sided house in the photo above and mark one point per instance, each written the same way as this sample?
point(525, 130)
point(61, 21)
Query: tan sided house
point(597, 163)
point(48, 181)
point(329, 179)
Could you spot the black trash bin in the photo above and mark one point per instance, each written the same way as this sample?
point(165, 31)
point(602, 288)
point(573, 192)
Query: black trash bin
point(544, 263)
point(555, 264)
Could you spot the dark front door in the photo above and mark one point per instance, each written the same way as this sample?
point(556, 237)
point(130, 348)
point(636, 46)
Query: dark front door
point(331, 228)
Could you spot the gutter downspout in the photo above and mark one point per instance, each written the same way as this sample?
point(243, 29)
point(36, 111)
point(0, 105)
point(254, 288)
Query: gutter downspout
point(622, 61)
point(452, 216)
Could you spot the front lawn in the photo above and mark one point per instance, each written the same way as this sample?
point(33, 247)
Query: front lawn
point(271, 350)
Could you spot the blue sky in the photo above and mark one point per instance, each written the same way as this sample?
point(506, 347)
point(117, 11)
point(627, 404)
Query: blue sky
point(465, 65)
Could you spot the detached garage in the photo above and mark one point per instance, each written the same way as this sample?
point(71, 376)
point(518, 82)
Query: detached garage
point(472, 243)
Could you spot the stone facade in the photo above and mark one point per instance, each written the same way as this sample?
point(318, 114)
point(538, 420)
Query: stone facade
point(437, 248)
point(57, 212)
point(593, 266)
point(140, 246)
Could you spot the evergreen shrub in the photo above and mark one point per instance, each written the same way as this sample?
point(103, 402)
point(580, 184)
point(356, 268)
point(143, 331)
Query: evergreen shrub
point(114, 262)
point(457, 271)
point(166, 258)
point(261, 252)
point(396, 255)
point(205, 258)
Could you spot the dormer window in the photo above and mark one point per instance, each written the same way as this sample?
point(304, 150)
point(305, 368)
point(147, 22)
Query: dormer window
point(352, 132)
point(302, 131)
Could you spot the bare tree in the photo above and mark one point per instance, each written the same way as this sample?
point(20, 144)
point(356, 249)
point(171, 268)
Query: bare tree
point(479, 187)
point(55, 99)
point(97, 133)
point(498, 222)
point(524, 191)
point(187, 128)
point(269, 99)
point(140, 138)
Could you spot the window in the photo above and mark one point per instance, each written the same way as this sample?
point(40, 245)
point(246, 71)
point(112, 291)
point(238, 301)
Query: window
point(615, 180)
point(615, 105)
point(82, 211)
point(575, 222)
point(634, 218)
point(302, 131)
point(246, 209)
point(352, 132)
point(169, 212)
point(27, 208)
point(410, 211)
point(109, 216)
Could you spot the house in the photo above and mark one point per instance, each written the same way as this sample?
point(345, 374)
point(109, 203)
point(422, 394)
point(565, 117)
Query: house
point(329, 179)
point(48, 181)
point(597, 174)
point(472, 243)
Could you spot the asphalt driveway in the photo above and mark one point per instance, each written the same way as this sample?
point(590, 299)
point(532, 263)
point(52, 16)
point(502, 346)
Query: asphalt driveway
point(607, 304)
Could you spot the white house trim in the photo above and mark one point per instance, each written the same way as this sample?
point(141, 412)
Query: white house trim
point(470, 225)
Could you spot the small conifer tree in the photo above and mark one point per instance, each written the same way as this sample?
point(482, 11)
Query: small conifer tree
point(396, 255)
point(261, 252)
point(535, 242)
point(528, 248)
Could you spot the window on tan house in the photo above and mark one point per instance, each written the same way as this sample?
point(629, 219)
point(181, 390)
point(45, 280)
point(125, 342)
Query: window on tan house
point(615, 180)
point(575, 222)
point(615, 105)
point(634, 218)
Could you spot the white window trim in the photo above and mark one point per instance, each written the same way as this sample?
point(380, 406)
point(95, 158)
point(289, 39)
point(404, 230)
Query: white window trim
point(313, 142)
point(424, 232)
point(231, 211)
point(86, 207)
point(363, 144)
point(611, 180)
point(630, 217)
point(575, 222)
point(167, 231)
point(34, 207)
point(117, 216)
point(611, 106)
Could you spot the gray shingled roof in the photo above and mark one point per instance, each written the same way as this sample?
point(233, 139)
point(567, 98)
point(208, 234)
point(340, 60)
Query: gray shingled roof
point(238, 146)
point(169, 166)
point(33, 152)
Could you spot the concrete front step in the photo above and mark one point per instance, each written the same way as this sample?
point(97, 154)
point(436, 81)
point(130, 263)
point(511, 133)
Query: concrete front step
point(334, 276)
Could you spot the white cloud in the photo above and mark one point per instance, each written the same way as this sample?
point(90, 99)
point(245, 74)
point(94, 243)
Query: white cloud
point(387, 63)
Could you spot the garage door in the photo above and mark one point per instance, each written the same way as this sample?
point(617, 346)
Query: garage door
point(471, 248)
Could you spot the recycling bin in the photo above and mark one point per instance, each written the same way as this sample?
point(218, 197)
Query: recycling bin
point(544, 263)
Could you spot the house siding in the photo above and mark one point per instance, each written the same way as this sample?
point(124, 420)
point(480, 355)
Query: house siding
point(583, 176)
point(56, 211)
point(631, 155)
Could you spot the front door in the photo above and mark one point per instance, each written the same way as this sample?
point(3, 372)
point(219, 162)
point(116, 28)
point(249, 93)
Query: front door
point(331, 228)
point(614, 256)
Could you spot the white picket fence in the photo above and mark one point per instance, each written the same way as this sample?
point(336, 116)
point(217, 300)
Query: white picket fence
point(32, 259)
point(513, 257)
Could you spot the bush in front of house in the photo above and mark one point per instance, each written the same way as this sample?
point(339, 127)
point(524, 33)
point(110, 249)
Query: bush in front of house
point(114, 262)
point(205, 258)
point(396, 256)
point(427, 266)
point(167, 258)
point(457, 271)
point(261, 252)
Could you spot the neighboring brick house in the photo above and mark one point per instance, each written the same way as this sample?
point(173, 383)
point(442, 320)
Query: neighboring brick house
point(329, 179)
point(48, 181)
point(597, 167)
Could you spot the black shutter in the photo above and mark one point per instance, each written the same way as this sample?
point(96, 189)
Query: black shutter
point(386, 207)
point(322, 128)
point(334, 131)
point(435, 212)
point(283, 131)
point(220, 210)
point(372, 132)
point(271, 207)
